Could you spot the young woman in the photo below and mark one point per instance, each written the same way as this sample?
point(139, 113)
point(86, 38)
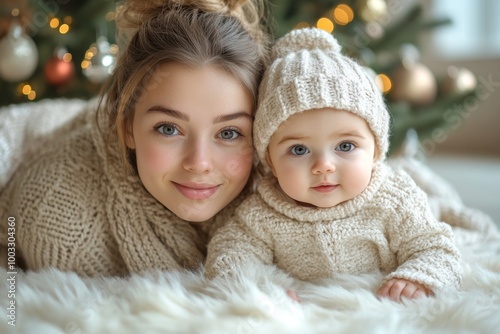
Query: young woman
point(140, 184)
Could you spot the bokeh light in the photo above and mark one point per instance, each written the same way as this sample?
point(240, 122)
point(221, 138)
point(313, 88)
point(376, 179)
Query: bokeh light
point(325, 24)
point(343, 14)
point(383, 82)
point(54, 23)
point(67, 57)
point(64, 28)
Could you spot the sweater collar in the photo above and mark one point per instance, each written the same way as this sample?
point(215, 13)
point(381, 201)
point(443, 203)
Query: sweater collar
point(271, 194)
point(149, 236)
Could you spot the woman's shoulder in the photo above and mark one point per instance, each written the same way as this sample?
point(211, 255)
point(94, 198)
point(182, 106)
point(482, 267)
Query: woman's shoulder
point(65, 169)
point(28, 130)
point(70, 155)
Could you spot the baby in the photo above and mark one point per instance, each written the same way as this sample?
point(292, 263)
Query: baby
point(330, 204)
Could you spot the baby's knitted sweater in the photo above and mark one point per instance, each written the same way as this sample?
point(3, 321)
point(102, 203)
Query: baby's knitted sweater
point(77, 209)
point(388, 227)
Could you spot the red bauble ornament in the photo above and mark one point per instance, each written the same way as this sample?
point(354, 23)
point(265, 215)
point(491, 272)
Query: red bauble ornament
point(58, 71)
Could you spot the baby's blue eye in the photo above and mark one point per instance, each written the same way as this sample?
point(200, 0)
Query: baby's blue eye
point(299, 150)
point(229, 134)
point(345, 147)
point(168, 130)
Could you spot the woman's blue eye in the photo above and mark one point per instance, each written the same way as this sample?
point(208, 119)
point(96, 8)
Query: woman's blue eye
point(345, 147)
point(168, 130)
point(299, 150)
point(229, 134)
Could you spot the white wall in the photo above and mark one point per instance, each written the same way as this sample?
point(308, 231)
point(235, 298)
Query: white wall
point(479, 133)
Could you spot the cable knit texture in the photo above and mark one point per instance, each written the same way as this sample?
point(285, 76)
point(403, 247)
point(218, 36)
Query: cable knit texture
point(78, 210)
point(387, 227)
point(309, 72)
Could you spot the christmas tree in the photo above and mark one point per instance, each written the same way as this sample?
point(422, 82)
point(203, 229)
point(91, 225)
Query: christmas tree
point(51, 49)
point(72, 52)
point(383, 36)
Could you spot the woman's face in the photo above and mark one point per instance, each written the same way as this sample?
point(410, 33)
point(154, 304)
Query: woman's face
point(192, 134)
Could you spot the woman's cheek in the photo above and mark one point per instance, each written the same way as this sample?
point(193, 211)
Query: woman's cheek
point(155, 156)
point(239, 164)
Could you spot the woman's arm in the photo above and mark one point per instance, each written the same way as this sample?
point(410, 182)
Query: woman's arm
point(234, 246)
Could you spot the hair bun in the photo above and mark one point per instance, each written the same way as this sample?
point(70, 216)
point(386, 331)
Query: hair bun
point(305, 39)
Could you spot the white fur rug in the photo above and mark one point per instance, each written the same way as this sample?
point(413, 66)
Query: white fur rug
point(254, 302)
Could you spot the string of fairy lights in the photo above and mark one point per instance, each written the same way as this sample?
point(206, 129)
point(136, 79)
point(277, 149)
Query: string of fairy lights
point(63, 27)
point(19, 56)
point(411, 82)
point(342, 15)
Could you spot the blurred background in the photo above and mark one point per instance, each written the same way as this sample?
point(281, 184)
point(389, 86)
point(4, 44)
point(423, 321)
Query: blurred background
point(436, 61)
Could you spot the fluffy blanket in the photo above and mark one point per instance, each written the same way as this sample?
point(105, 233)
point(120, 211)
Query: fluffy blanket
point(26, 124)
point(253, 302)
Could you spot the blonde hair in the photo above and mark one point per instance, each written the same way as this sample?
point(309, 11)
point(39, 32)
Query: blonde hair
point(193, 33)
point(252, 14)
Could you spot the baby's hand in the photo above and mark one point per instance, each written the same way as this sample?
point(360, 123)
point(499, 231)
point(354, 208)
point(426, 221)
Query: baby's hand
point(292, 295)
point(396, 288)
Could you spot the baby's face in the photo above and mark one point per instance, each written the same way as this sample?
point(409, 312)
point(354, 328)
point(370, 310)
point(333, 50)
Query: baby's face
point(322, 157)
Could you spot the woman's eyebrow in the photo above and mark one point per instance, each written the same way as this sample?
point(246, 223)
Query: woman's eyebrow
point(169, 112)
point(229, 117)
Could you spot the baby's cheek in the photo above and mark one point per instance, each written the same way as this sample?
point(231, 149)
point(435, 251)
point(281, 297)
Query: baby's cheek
point(360, 176)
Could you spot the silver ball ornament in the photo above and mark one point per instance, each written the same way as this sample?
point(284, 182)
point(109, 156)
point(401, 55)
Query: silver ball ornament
point(101, 61)
point(458, 81)
point(18, 55)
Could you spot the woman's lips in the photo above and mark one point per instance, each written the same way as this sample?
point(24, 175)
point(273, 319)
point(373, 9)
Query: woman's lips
point(325, 188)
point(196, 191)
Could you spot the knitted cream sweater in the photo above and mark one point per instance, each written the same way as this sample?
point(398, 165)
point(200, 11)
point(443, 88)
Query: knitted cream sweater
point(76, 209)
point(387, 227)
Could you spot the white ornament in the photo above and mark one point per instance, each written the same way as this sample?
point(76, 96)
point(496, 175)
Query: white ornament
point(99, 61)
point(458, 81)
point(18, 55)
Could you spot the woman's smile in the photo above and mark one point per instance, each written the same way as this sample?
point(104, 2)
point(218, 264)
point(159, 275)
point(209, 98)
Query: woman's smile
point(196, 191)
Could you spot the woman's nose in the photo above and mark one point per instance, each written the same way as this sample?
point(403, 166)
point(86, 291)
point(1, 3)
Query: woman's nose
point(323, 164)
point(198, 157)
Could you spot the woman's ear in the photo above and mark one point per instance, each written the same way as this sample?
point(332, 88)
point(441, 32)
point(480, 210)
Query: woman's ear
point(129, 138)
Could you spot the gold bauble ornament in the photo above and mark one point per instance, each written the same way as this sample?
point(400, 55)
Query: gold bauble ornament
point(413, 83)
point(458, 81)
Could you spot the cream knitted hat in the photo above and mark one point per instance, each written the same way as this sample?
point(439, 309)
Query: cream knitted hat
point(309, 72)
